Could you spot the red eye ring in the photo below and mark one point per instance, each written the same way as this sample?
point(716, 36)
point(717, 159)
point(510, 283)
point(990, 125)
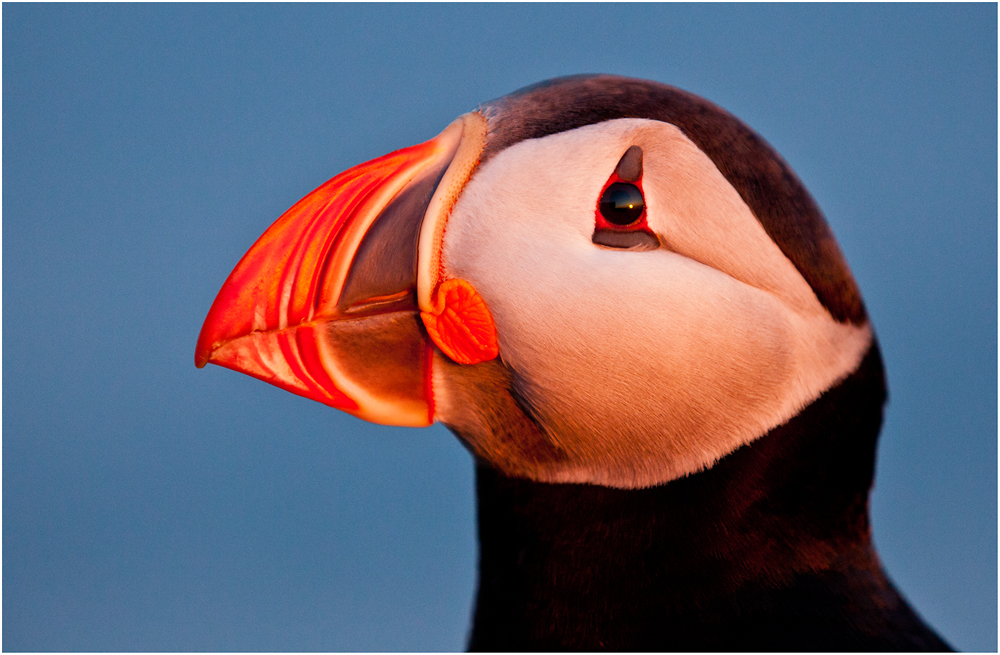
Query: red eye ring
point(602, 223)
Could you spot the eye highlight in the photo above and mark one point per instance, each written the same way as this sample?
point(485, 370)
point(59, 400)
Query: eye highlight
point(621, 204)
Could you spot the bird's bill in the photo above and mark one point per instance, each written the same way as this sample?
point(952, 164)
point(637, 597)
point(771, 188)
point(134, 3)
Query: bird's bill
point(325, 303)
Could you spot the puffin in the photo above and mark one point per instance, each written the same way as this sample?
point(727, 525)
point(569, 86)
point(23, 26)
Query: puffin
point(632, 313)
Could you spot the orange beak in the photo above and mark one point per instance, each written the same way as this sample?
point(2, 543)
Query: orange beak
point(325, 303)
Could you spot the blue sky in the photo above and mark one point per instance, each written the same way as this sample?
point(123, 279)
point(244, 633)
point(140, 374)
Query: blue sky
point(148, 505)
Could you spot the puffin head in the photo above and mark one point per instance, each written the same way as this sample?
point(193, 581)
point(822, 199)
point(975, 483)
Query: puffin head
point(595, 279)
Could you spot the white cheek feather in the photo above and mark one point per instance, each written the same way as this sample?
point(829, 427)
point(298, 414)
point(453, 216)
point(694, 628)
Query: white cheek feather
point(644, 366)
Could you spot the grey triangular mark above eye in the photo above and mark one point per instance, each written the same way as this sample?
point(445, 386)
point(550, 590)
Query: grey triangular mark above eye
point(629, 166)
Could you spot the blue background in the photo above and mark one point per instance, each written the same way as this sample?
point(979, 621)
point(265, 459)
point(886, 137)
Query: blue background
point(150, 505)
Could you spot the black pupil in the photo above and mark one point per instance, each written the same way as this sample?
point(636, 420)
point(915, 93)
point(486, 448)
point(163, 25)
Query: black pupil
point(622, 204)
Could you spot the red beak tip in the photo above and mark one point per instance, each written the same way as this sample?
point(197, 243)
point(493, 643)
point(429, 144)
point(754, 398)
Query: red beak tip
point(202, 356)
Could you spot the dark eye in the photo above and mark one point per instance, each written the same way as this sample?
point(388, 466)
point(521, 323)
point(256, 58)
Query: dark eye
point(622, 204)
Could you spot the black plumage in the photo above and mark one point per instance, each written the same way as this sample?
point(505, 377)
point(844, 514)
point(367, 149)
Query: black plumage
point(770, 549)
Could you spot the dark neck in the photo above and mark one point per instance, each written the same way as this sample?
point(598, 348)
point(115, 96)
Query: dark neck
point(769, 549)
